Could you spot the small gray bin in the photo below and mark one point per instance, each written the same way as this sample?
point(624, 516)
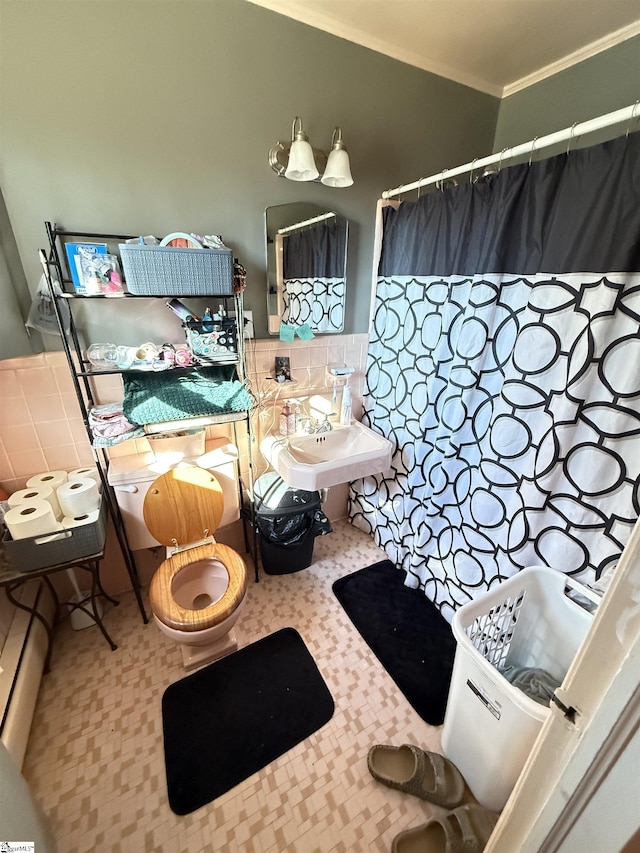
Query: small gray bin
point(168, 271)
point(52, 549)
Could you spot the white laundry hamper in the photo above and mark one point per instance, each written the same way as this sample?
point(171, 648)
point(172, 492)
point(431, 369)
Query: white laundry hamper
point(490, 725)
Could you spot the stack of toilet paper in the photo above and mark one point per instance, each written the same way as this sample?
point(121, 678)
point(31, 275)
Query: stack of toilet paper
point(54, 500)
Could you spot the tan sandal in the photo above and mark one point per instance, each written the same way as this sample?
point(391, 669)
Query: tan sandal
point(427, 775)
point(463, 830)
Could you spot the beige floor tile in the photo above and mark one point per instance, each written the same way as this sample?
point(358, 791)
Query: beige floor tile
point(95, 757)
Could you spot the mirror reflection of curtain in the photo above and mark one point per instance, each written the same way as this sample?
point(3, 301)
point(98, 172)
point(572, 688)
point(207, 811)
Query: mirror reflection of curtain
point(313, 276)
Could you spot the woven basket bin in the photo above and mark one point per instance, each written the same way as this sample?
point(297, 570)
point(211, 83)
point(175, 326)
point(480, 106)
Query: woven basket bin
point(167, 271)
point(51, 549)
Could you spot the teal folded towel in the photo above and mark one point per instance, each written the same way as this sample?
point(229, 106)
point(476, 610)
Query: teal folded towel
point(304, 332)
point(151, 398)
point(287, 332)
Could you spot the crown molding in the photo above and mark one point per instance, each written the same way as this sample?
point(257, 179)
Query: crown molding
point(335, 27)
point(574, 58)
point(321, 21)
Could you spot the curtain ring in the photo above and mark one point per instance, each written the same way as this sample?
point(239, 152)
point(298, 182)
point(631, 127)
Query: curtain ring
point(442, 174)
point(473, 164)
point(573, 127)
point(533, 148)
point(419, 187)
point(501, 156)
point(633, 114)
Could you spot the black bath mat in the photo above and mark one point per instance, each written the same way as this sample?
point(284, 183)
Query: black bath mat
point(407, 633)
point(232, 718)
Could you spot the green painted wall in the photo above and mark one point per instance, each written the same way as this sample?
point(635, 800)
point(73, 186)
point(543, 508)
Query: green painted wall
point(147, 116)
point(598, 85)
point(14, 340)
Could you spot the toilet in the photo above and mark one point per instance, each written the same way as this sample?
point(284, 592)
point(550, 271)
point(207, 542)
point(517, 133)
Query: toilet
point(197, 593)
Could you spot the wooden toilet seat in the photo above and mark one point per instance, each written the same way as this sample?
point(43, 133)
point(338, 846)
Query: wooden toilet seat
point(183, 507)
point(166, 608)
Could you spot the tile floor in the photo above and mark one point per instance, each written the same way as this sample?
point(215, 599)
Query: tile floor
point(95, 757)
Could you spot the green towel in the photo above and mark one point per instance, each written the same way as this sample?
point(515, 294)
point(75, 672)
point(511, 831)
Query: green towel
point(171, 395)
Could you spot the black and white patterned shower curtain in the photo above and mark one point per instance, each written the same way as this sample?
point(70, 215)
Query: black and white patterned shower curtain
point(504, 361)
point(314, 276)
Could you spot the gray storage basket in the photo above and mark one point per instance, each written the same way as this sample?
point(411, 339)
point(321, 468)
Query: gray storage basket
point(52, 549)
point(168, 271)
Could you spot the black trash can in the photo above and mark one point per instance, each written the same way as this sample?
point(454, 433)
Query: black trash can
point(287, 520)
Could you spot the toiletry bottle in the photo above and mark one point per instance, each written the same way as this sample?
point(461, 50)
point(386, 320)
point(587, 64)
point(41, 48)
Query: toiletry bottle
point(345, 408)
point(297, 420)
point(285, 414)
point(291, 422)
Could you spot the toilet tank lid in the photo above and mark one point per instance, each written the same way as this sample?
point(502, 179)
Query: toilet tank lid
point(144, 467)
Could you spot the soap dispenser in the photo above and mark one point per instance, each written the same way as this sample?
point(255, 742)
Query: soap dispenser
point(345, 408)
point(285, 418)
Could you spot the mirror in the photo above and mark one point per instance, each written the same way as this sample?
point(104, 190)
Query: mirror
point(306, 267)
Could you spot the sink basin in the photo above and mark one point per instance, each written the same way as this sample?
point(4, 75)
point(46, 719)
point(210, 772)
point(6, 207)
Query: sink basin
point(326, 459)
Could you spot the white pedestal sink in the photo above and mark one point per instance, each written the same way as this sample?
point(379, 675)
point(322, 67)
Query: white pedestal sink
point(325, 459)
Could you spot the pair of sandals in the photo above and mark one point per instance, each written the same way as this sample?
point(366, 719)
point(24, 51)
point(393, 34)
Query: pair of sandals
point(464, 829)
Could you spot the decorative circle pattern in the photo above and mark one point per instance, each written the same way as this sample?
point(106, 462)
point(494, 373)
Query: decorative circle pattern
point(516, 417)
point(316, 301)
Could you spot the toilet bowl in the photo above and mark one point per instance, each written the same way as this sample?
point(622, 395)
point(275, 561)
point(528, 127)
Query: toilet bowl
point(198, 592)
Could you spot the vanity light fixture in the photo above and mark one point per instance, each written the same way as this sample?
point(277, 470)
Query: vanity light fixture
point(301, 165)
point(298, 161)
point(338, 171)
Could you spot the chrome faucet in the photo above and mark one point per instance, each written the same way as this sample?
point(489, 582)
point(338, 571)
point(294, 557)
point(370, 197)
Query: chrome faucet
point(311, 425)
point(326, 425)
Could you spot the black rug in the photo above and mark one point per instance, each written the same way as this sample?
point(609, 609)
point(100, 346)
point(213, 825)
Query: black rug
point(232, 718)
point(407, 633)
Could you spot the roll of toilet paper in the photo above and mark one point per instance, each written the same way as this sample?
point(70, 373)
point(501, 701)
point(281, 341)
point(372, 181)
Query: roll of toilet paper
point(32, 519)
point(80, 520)
point(90, 473)
point(33, 495)
point(52, 479)
point(78, 497)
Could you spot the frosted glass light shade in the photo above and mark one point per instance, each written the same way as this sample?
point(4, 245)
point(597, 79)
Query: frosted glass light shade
point(301, 165)
point(338, 171)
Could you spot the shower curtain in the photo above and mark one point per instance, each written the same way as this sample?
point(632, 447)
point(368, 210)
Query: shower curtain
point(504, 362)
point(314, 279)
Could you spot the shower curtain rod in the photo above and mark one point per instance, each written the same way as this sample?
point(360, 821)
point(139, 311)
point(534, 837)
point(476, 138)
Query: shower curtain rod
point(305, 222)
point(569, 133)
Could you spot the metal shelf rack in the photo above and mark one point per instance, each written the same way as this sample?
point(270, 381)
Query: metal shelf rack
point(55, 266)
